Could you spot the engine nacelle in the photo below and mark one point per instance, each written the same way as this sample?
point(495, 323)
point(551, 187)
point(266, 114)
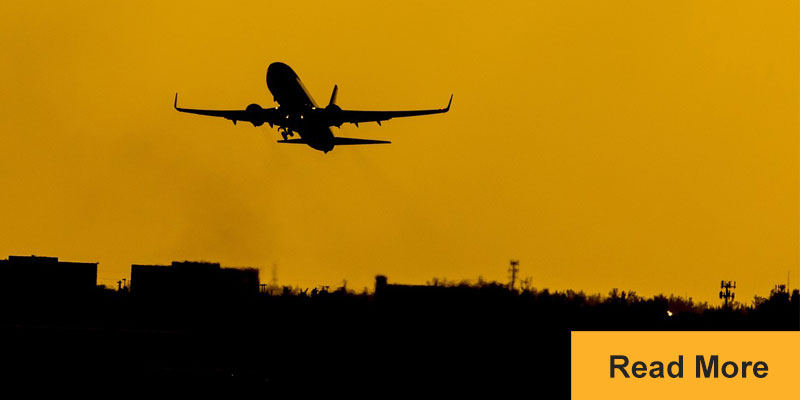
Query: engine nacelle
point(256, 114)
point(334, 115)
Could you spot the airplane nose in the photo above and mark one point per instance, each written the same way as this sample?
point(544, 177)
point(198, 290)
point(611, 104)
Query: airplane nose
point(277, 74)
point(279, 68)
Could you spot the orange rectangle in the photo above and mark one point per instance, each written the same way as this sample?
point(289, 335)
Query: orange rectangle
point(683, 365)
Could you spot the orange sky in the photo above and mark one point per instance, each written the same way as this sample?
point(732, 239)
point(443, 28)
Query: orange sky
point(642, 145)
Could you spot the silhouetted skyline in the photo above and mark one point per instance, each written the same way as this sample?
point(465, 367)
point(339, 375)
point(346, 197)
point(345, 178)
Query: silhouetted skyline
point(48, 277)
point(449, 335)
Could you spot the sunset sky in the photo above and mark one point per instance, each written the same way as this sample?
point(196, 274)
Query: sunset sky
point(642, 145)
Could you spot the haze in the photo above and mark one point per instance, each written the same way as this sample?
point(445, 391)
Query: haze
point(641, 145)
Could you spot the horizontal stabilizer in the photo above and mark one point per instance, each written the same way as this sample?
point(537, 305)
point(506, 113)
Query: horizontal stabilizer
point(339, 141)
point(298, 141)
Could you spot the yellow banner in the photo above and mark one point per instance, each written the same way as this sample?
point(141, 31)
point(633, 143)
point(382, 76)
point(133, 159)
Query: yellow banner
point(685, 365)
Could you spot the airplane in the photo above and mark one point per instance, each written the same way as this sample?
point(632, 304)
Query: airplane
point(298, 112)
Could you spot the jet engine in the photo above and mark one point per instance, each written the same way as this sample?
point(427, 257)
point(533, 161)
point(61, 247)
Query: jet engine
point(256, 114)
point(334, 115)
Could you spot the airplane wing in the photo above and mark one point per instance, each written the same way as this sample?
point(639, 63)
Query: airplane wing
point(253, 114)
point(355, 116)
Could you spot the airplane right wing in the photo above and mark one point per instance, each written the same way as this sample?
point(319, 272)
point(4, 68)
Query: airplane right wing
point(355, 116)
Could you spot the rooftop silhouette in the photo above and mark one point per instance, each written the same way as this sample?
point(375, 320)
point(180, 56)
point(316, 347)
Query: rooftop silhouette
point(46, 276)
point(187, 279)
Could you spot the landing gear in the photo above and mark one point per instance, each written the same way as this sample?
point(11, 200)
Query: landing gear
point(286, 133)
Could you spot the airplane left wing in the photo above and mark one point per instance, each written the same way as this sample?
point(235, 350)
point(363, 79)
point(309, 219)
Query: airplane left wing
point(253, 114)
point(355, 116)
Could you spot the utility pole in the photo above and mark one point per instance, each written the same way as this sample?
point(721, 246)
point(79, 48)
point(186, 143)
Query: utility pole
point(513, 271)
point(726, 292)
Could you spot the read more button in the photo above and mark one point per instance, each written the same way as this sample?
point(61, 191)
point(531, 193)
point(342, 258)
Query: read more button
point(696, 365)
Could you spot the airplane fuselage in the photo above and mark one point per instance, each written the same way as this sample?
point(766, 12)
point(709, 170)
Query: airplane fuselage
point(302, 113)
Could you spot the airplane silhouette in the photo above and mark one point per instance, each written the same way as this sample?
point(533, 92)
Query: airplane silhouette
point(298, 112)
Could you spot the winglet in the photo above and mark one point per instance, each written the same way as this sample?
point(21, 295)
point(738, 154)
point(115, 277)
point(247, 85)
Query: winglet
point(448, 103)
point(176, 101)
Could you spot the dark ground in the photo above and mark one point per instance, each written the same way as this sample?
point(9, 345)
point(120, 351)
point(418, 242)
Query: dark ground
point(408, 338)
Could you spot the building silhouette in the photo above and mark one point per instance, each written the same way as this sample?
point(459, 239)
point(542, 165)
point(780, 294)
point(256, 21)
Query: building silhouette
point(46, 277)
point(193, 280)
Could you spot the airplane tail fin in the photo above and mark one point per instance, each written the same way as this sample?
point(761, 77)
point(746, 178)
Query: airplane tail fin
point(333, 95)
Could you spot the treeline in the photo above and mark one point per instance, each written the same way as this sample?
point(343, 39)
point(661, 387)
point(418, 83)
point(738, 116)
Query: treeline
point(779, 310)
